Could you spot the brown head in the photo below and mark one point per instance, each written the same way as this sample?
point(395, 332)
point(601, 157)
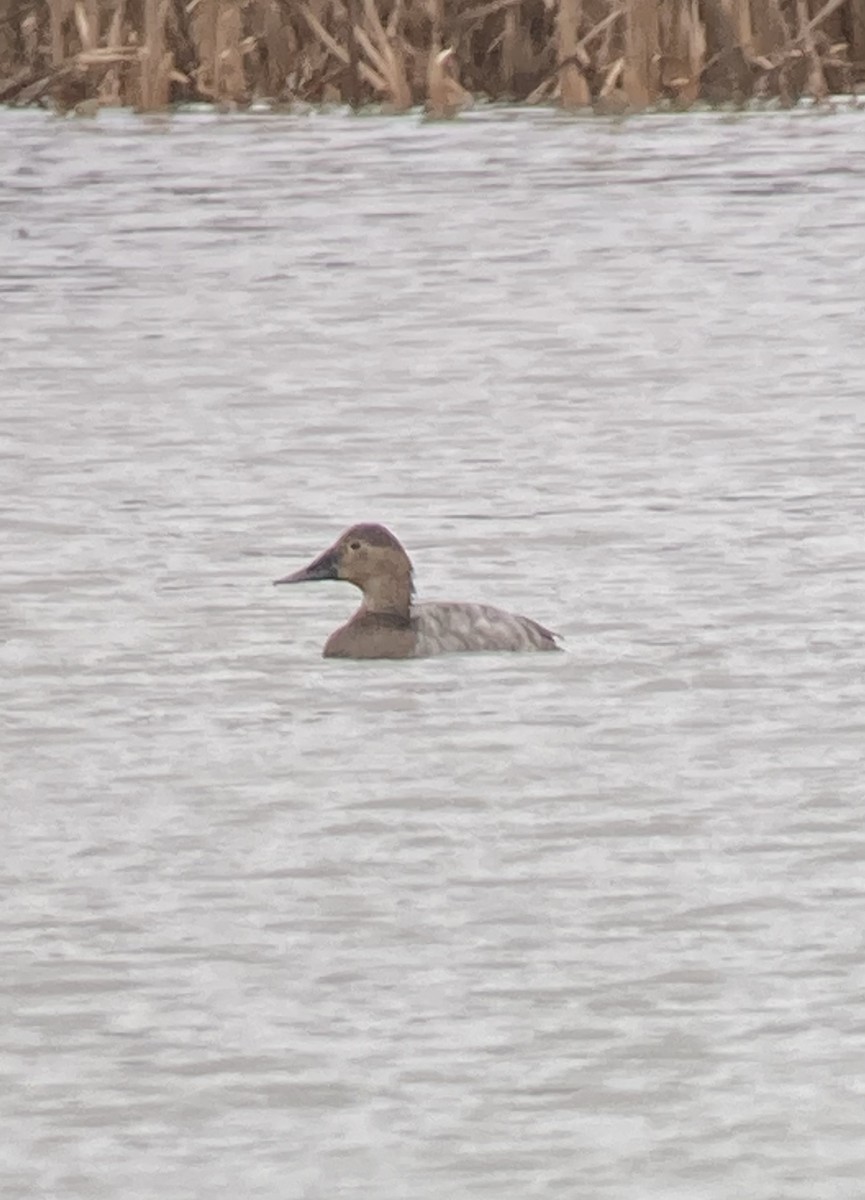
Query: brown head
point(370, 557)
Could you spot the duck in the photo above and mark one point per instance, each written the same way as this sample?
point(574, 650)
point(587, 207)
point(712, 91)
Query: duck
point(391, 624)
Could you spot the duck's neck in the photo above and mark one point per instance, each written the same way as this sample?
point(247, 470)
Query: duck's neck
point(388, 594)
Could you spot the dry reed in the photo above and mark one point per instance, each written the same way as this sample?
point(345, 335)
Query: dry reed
point(618, 55)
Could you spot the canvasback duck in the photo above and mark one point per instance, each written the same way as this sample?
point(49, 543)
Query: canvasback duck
point(389, 624)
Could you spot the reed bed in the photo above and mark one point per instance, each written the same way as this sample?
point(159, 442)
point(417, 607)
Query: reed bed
point(614, 55)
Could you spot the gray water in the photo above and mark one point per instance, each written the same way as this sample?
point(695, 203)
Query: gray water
point(586, 925)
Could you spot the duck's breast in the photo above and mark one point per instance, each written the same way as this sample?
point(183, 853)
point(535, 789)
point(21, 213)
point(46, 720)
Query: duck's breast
point(372, 635)
point(447, 628)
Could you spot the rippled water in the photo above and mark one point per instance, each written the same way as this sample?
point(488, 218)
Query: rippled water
point(584, 926)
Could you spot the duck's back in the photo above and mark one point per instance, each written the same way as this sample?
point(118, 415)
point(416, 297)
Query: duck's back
point(446, 628)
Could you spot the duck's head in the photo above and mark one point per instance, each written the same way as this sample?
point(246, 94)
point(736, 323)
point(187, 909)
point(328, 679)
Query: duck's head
point(369, 556)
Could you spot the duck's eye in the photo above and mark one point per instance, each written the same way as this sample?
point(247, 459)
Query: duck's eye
point(354, 545)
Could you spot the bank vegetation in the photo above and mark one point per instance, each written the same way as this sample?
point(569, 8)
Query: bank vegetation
point(612, 55)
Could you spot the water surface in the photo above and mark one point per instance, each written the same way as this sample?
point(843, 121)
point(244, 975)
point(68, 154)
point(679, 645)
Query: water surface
point(584, 926)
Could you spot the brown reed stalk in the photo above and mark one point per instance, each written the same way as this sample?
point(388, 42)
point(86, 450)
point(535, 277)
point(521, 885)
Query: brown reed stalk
point(683, 37)
point(155, 58)
point(354, 83)
point(826, 11)
point(603, 56)
point(740, 21)
point(217, 32)
point(728, 73)
point(276, 45)
point(87, 24)
point(58, 12)
point(510, 38)
point(445, 94)
point(573, 88)
point(204, 22)
point(383, 49)
point(816, 79)
point(366, 72)
point(435, 10)
point(768, 28)
point(642, 52)
point(114, 37)
point(857, 30)
point(232, 49)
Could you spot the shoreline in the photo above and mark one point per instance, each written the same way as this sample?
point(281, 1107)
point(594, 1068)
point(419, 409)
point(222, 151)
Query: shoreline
point(481, 111)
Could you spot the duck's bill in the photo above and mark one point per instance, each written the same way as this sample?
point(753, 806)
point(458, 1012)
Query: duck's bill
point(323, 567)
